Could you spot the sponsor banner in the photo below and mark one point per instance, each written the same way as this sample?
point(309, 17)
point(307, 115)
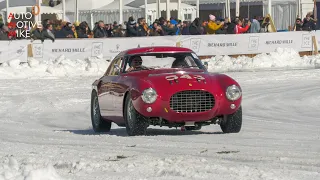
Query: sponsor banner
point(84, 48)
point(10, 50)
point(203, 45)
point(317, 34)
point(206, 45)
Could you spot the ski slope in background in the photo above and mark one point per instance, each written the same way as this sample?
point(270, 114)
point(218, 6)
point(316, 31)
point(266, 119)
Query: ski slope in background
point(46, 134)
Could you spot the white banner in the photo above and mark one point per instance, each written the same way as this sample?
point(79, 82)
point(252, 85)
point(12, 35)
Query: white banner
point(203, 45)
point(207, 45)
point(80, 49)
point(10, 50)
point(317, 34)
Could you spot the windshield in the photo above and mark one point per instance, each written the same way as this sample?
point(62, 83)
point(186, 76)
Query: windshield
point(162, 61)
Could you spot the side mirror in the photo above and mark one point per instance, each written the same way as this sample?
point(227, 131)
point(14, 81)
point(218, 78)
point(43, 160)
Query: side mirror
point(117, 67)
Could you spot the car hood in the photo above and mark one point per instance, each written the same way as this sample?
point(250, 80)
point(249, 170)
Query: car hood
point(166, 84)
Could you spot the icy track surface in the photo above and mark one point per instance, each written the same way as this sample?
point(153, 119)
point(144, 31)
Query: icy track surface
point(45, 134)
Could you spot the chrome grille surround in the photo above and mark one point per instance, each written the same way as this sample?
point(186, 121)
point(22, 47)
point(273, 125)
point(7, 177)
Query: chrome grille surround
point(191, 101)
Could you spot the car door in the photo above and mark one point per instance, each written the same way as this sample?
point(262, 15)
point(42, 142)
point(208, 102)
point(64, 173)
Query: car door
point(106, 97)
point(115, 90)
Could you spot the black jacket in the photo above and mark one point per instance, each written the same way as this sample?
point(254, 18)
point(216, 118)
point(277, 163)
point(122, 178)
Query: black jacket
point(141, 31)
point(132, 30)
point(195, 27)
point(100, 33)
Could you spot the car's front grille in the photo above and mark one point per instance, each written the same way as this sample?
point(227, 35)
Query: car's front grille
point(192, 101)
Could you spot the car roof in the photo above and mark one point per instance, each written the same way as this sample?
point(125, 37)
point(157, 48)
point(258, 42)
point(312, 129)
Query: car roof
point(157, 49)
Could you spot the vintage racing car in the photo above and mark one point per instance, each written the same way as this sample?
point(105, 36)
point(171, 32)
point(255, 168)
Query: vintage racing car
point(164, 86)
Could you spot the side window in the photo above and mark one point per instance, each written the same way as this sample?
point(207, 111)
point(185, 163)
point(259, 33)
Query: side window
point(114, 71)
point(111, 67)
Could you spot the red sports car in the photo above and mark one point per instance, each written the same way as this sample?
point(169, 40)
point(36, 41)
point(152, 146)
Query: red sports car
point(164, 86)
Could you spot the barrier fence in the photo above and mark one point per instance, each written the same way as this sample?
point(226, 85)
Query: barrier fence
point(203, 45)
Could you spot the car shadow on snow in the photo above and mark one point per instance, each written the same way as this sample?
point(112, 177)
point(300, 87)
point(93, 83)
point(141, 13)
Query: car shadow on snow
point(150, 132)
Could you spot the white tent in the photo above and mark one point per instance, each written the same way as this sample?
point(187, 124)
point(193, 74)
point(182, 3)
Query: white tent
point(110, 13)
point(234, 1)
point(173, 6)
point(188, 12)
point(114, 6)
point(284, 12)
point(84, 5)
point(85, 8)
point(14, 3)
point(22, 5)
point(138, 3)
point(43, 9)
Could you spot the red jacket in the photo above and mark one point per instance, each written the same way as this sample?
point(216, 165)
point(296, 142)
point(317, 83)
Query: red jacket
point(240, 30)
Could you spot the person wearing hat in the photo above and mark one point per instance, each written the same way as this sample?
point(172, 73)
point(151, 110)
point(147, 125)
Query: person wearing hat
point(4, 32)
point(212, 25)
point(132, 27)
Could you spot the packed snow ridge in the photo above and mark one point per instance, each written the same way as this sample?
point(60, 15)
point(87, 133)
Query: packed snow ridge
point(11, 169)
point(281, 58)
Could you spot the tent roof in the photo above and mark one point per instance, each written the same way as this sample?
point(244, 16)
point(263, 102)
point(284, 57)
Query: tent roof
point(115, 6)
point(84, 4)
point(43, 10)
point(233, 1)
point(14, 3)
point(173, 6)
point(138, 3)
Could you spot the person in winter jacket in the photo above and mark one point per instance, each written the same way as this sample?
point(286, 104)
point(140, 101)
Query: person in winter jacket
point(212, 25)
point(309, 23)
point(167, 30)
point(239, 29)
point(195, 27)
point(132, 27)
point(255, 26)
point(156, 30)
point(100, 31)
point(175, 24)
point(298, 24)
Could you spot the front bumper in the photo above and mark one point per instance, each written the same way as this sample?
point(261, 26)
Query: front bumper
point(162, 109)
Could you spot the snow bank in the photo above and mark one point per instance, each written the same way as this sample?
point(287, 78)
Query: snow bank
point(62, 67)
point(282, 58)
point(10, 169)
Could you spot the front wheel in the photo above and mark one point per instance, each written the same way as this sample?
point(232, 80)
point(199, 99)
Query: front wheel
point(232, 123)
point(136, 124)
point(98, 123)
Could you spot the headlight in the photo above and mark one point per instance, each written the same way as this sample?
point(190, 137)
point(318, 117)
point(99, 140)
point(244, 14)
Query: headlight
point(233, 93)
point(149, 96)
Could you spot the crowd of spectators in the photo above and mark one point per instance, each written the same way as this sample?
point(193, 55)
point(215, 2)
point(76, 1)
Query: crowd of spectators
point(55, 29)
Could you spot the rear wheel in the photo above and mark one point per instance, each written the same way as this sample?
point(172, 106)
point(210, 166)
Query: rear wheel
point(98, 123)
point(232, 123)
point(136, 124)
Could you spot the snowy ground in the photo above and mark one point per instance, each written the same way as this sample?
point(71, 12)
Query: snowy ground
point(45, 132)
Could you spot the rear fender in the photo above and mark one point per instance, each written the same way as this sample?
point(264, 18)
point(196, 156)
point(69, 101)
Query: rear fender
point(96, 85)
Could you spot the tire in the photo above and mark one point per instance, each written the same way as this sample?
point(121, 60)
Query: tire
point(136, 124)
point(98, 123)
point(232, 123)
